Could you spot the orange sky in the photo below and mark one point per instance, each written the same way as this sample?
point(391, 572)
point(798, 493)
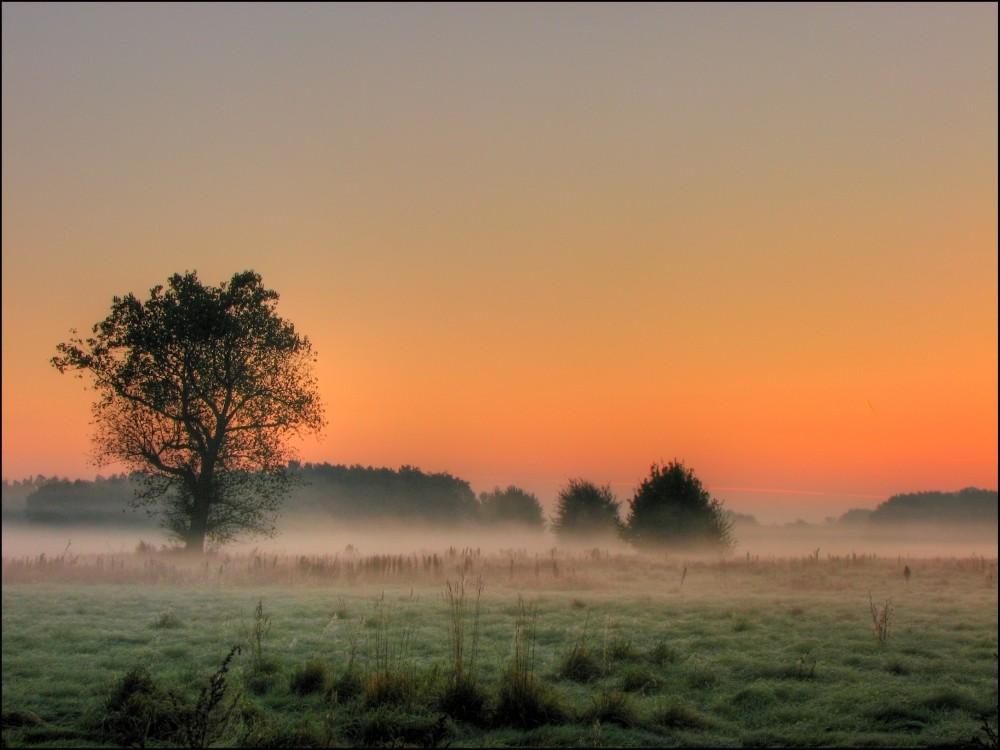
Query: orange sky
point(539, 242)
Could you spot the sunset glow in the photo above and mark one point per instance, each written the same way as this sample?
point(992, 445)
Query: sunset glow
point(538, 242)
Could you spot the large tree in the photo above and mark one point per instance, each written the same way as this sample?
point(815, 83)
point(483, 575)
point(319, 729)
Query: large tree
point(671, 508)
point(199, 388)
point(586, 513)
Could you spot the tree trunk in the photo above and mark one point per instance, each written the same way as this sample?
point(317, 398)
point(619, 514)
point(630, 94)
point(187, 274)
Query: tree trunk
point(202, 500)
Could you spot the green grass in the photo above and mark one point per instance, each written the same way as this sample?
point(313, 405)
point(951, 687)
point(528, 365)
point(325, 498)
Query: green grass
point(782, 652)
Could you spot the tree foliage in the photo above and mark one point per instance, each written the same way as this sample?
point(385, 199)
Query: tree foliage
point(199, 388)
point(370, 493)
point(586, 511)
point(512, 506)
point(671, 508)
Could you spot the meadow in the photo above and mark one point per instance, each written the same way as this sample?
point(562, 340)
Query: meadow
point(504, 648)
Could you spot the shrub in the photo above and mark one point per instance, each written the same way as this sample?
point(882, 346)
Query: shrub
point(512, 506)
point(672, 508)
point(586, 512)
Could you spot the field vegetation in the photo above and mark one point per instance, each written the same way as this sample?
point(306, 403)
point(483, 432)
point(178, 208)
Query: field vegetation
point(510, 648)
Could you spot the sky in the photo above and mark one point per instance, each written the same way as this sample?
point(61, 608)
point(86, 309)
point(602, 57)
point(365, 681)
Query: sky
point(535, 242)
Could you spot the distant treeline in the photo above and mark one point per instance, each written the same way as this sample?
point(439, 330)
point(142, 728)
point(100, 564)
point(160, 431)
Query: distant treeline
point(970, 505)
point(346, 493)
point(366, 493)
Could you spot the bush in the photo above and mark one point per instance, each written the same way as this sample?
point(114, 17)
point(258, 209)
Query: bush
point(671, 508)
point(512, 506)
point(586, 512)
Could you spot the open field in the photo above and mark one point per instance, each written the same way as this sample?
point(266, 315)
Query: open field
point(568, 649)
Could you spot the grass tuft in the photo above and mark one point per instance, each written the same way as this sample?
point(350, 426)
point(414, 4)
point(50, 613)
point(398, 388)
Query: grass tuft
point(167, 620)
point(312, 677)
point(465, 700)
point(611, 707)
point(638, 679)
point(388, 688)
point(676, 714)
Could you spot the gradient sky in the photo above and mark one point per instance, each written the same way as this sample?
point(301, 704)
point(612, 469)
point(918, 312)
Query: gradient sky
point(534, 242)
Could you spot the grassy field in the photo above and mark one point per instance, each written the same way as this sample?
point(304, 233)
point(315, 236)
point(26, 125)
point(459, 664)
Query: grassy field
point(554, 649)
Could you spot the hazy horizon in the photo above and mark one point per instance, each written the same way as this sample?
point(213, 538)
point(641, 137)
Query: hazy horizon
point(536, 243)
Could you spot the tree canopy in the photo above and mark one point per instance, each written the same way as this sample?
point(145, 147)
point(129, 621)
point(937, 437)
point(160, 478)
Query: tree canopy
point(586, 512)
point(512, 506)
point(199, 388)
point(671, 508)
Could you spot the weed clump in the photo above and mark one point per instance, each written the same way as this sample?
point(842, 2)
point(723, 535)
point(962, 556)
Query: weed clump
point(622, 649)
point(312, 677)
point(524, 701)
point(611, 707)
point(137, 710)
point(662, 653)
point(210, 717)
point(388, 688)
point(465, 700)
point(580, 665)
point(881, 619)
point(638, 679)
point(167, 620)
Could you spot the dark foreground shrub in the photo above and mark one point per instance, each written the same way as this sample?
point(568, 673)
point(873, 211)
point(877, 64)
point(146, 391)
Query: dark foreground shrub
point(137, 710)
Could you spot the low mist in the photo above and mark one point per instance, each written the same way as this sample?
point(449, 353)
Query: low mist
point(321, 535)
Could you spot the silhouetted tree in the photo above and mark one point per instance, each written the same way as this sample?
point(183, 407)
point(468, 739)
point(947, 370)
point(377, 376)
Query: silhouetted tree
point(671, 508)
point(586, 512)
point(199, 387)
point(511, 506)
